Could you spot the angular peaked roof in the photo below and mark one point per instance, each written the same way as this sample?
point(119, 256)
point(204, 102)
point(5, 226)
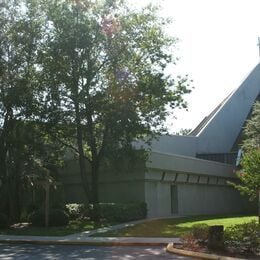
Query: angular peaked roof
point(218, 132)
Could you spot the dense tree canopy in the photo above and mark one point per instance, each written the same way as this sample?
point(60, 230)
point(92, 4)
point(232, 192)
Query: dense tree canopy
point(91, 73)
point(252, 129)
point(25, 146)
point(249, 175)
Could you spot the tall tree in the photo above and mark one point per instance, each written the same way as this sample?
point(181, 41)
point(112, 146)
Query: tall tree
point(252, 129)
point(104, 67)
point(249, 175)
point(21, 37)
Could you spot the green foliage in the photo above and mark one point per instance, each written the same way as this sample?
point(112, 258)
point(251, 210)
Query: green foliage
point(57, 217)
point(122, 212)
point(183, 131)
point(26, 146)
point(3, 221)
point(88, 75)
point(200, 231)
point(127, 160)
point(18, 74)
point(243, 237)
point(250, 174)
point(252, 129)
point(104, 70)
point(109, 212)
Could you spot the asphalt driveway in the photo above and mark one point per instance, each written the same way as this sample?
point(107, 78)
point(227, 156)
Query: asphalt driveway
point(37, 252)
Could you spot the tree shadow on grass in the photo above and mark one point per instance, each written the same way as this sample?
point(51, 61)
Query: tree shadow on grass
point(175, 227)
point(28, 230)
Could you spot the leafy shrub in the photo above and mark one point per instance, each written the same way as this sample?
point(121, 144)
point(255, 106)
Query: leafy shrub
point(77, 211)
point(112, 212)
point(243, 237)
point(200, 231)
point(3, 221)
point(57, 217)
point(122, 212)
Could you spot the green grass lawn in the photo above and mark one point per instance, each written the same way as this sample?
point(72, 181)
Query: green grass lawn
point(73, 227)
point(175, 227)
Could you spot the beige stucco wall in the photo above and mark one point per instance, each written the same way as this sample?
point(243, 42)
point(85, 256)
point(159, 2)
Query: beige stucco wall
point(185, 164)
point(202, 186)
point(194, 199)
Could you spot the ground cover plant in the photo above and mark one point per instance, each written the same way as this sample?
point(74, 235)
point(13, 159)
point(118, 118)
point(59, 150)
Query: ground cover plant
point(74, 226)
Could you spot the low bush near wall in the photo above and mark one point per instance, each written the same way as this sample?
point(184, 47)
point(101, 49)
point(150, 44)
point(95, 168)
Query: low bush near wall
point(122, 212)
point(77, 211)
point(57, 218)
point(243, 237)
point(3, 221)
point(112, 212)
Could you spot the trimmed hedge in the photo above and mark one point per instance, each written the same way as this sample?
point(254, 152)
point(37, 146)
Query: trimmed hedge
point(3, 221)
point(243, 237)
point(57, 217)
point(200, 231)
point(112, 212)
point(123, 212)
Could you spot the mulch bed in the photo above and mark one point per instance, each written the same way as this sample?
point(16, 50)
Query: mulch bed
point(201, 247)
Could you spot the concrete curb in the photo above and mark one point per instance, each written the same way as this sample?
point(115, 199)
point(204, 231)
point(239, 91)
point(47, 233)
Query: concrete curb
point(82, 242)
point(171, 249)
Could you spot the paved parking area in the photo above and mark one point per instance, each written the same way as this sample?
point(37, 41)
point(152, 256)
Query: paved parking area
point(37, 252)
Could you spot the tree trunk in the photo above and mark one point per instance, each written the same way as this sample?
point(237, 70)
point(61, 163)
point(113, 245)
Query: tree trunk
point(95, 190)
point(14, 195)
point(82, 163)
point(17, 196)
point(13, 199)
point(2, 167)
point(47, 203)
point(4, 178)
point(16, 153)
point(4, 146)
point(259, 207)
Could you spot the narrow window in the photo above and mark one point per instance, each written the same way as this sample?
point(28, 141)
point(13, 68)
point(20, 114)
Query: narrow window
point(174, 199)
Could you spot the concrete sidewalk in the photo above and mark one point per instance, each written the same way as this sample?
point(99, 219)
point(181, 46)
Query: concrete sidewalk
point(109, 241)
point(99, 231)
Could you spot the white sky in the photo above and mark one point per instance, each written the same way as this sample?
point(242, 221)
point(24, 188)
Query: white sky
point(217, 49)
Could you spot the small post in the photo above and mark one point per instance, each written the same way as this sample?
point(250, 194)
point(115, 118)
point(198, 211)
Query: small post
point(216, 237)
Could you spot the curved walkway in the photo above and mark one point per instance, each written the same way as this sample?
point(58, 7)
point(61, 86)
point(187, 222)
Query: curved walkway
point(83, 238)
